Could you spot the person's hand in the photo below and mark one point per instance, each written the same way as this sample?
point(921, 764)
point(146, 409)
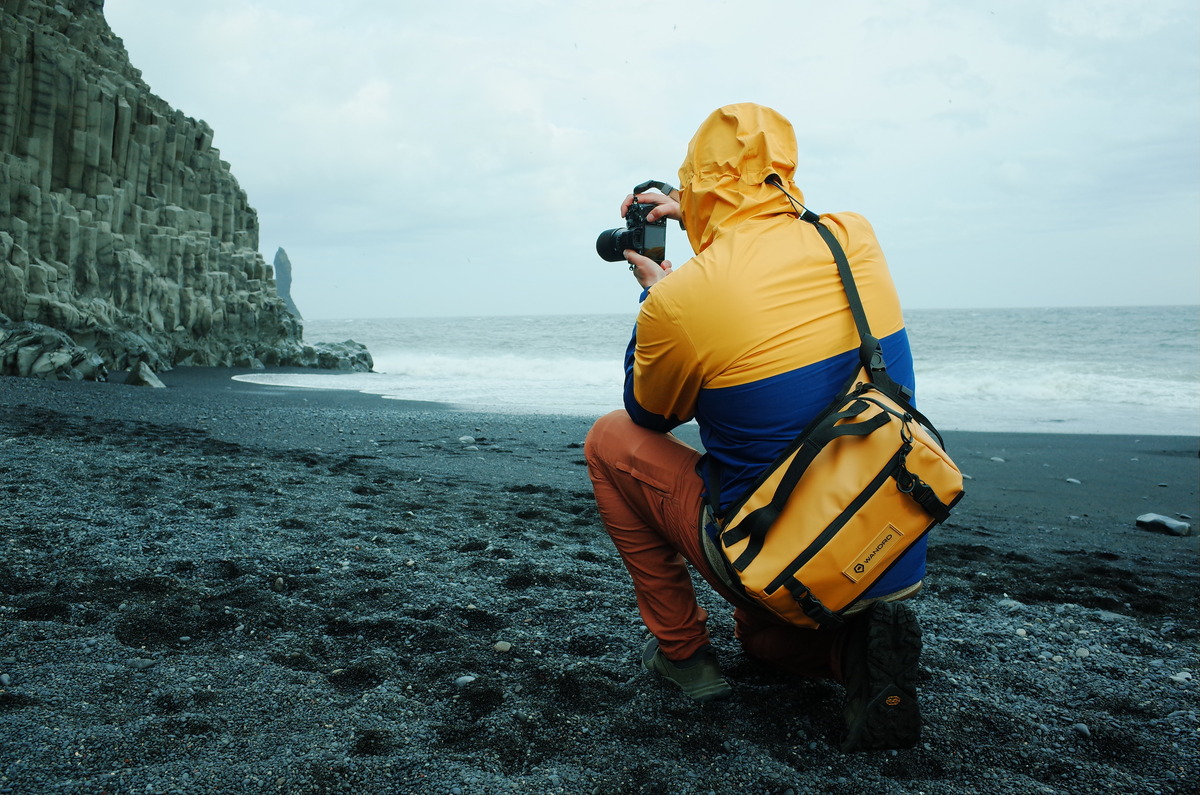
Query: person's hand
point(646, 270)
point(667, 206)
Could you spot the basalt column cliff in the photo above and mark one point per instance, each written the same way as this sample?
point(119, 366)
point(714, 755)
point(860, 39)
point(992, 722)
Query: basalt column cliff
point(124, 238)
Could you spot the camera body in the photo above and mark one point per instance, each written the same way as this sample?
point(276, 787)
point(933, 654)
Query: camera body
point(648, 238)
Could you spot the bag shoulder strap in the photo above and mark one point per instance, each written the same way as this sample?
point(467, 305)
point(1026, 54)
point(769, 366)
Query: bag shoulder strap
point(870, 352)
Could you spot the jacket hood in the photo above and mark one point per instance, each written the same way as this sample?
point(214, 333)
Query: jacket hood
point(722, 182)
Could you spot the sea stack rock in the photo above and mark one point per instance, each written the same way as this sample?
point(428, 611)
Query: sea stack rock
point(120, 224)
point(283, 282)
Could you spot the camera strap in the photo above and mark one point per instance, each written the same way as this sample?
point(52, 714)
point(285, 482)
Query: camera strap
point(666, 189)
point(653, 183)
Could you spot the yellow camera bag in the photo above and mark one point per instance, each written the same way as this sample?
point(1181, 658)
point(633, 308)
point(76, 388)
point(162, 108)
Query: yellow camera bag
point(865, 481)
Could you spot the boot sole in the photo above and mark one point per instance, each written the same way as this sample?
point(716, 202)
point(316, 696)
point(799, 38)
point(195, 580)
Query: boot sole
point(891, 715)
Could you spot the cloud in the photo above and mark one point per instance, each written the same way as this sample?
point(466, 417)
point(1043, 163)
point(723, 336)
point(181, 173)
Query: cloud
point(463, 156)
point(1111, 19)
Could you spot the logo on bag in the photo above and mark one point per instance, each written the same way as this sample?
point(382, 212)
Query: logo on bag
point(874, 552)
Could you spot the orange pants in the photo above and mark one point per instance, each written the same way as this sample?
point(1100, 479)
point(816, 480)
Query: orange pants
point(650, 499)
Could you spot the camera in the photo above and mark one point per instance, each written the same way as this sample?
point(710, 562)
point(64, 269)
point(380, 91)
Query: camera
point(648, 238)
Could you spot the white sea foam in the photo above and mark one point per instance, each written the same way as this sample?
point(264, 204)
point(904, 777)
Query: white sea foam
point(1034, 385)
point(502, 382)
point(1125, 370)
point(499, 368)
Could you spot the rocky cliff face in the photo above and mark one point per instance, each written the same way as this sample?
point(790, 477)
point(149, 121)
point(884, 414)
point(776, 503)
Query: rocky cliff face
point(120, 225)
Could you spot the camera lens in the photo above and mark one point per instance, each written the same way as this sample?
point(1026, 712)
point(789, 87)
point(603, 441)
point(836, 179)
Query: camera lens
point(612, 243)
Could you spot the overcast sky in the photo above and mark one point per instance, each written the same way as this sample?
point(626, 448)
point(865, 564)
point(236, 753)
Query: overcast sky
point(460, 157)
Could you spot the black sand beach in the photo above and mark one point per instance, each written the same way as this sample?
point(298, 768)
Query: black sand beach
point(224, 588)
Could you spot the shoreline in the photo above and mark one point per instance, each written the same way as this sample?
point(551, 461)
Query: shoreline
point(1047, 460)
point(990, 414)
point(226, 587)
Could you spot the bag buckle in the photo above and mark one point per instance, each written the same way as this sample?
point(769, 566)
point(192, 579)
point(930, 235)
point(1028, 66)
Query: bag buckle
point(811, 606)
point(905, 480)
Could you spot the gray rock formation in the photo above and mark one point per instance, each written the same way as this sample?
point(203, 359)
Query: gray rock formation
point(120, 224)
point(283, 282)
point(37, 350)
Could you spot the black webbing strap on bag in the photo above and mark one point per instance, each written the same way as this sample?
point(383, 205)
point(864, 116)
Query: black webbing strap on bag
point(757, 523)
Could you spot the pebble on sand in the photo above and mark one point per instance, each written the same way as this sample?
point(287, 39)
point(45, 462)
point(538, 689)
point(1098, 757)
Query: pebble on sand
point(1163, 524)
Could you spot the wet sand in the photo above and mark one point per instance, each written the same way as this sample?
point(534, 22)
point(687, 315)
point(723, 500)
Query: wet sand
point(222, 587)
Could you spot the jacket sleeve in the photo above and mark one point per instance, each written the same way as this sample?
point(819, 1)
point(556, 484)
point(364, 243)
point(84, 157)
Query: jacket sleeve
point(662, 372)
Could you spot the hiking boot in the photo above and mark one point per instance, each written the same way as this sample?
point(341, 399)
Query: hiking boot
point(699, 676)
point(880, 671)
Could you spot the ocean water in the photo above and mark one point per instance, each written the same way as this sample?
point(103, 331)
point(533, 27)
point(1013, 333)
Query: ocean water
point(1129, 370)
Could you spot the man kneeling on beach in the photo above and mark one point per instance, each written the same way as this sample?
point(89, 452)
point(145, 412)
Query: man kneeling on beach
point(752, 338)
